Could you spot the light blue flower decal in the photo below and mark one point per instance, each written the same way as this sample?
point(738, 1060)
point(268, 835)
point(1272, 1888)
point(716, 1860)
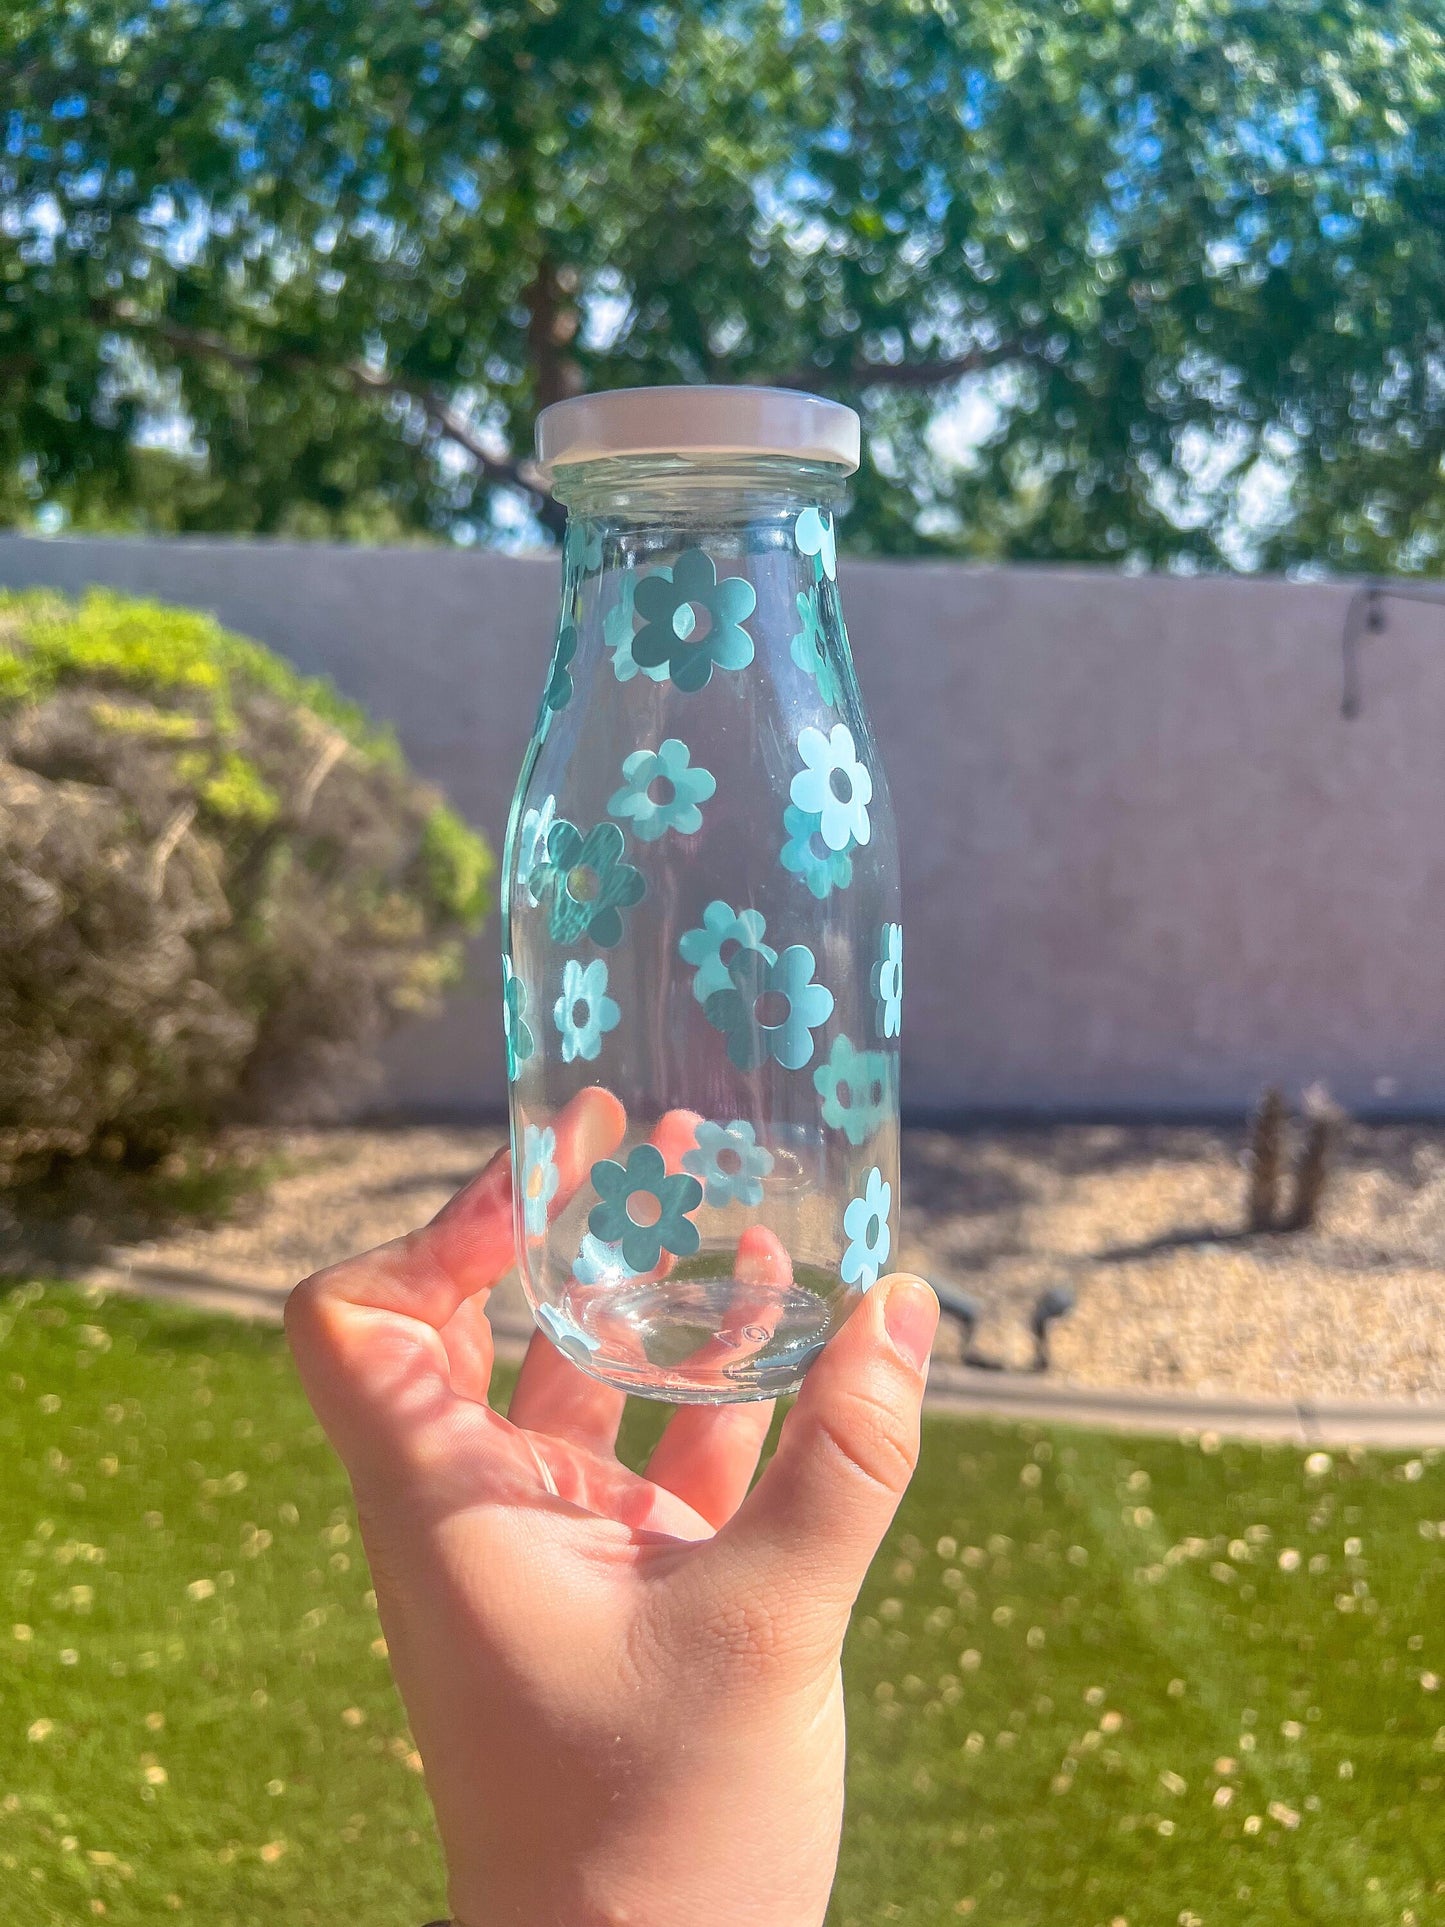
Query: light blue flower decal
point(582, 548)
point(888, 980)
point(683, 787)
point(807, 856)
point(770, 1009)
point(712, 948)
point(532, 840)
point(808, 649)
point(667, 1202)
point(617, 627)
point(570, 1339)
point(855, 1086)
point(588, 882)
point(668, 601)
point(597, 1263)
point(730, 1162)
point(520, 1042)
point(865, 1225)
point(834, 786)
point(540, 1177)
point(584, 1010)
point(813, 533)
point(559, 686)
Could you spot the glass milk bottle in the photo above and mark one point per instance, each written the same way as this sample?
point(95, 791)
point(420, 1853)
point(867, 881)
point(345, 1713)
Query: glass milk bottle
point(702, 947)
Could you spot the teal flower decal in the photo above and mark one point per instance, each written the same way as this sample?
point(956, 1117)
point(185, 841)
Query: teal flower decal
point(570, 1339)
point(855, 1086)
point(730, 1162)
point(808, 648)
point(559, 687)
point(670, 770)
point(660, 1222)
point(589, 884)
point(770, 1009)
point(532, 840)
point(834, 786)
point(520, 1042)
point(582, 548)
point(540, 1178)
point(673, 632)
point(597, 1263)
point(888, 980)
point(712, 948)
point(865, 1225)
point(813, 533)
point(584, 1010)
point(806, 855)
point(617, 626)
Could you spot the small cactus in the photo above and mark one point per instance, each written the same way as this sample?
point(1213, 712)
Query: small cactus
point(1265, 1161)
point(1323, 1121)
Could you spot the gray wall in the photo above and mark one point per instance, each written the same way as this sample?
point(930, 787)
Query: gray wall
point(1146, 864)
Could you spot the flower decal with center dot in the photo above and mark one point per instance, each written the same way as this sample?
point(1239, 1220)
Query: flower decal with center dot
point(520, 1042)
point(584, 1011)
point(588, 883)
point(540, 1177)
point(813, 533)
point(644, 1209)
point(690, 643)
point(865, 1225)
point(770, 1009)
point(617, 627)
point(888, 980)
point(730, 1162)
point(806, 855)
point(808, 649)
point(833, 786)
point(855, 1086)
point(711, 949)
point(682, 788)
point(570, 1339)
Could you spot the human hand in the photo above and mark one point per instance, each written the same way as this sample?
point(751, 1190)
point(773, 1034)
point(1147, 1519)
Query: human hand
point(625, 1689)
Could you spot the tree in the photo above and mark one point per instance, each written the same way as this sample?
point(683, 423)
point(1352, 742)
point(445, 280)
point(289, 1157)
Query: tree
point(315, 265)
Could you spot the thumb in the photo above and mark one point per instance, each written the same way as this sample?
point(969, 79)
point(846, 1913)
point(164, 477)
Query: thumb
point(815, 1519)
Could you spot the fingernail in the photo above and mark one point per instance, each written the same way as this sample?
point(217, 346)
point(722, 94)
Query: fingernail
point(910, 1312)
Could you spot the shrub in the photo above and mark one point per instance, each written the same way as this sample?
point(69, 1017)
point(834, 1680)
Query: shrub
point(219, 884)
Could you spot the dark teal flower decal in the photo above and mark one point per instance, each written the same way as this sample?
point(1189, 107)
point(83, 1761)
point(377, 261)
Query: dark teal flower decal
point(770, 1009)
point(582, 548)
point(559, 687)
point(855, 1086)
point(588, 883)
point(692, 622)
point(644, 1211)
point(809, 650)
point(520, 1043)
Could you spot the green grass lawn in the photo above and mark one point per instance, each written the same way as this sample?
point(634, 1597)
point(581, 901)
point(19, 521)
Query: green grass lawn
point(1090, 1680)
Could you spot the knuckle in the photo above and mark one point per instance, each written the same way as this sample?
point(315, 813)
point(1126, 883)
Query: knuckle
point(865, 1433)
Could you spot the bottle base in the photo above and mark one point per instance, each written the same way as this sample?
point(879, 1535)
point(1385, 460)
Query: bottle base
point(702, 1341)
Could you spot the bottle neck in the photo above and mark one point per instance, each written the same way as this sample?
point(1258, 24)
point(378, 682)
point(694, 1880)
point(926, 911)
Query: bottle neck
point(678, 492)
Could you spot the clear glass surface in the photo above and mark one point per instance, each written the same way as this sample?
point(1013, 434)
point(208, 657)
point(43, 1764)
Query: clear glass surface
point(701, 917)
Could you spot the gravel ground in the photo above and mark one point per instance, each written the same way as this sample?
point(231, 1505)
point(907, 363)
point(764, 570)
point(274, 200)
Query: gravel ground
point(1141, 1221)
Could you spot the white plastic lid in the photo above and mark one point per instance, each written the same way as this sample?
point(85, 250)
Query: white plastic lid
point(697, 421)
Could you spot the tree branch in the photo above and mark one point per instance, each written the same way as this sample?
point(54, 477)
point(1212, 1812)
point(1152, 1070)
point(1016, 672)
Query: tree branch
point(504, 471)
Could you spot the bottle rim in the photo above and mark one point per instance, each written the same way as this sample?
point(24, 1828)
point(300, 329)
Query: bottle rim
point(697, 422)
